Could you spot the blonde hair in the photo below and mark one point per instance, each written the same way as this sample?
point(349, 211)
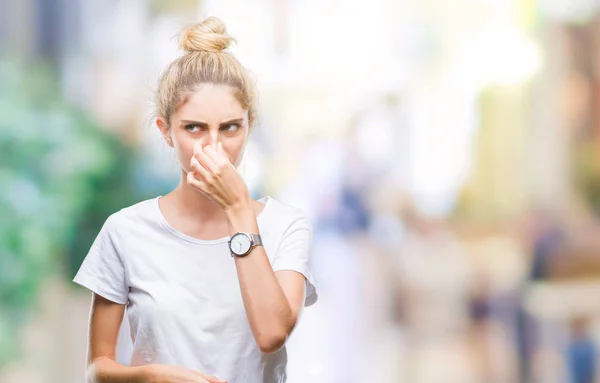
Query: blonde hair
point(205, 62)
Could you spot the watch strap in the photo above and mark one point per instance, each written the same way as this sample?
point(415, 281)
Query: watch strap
point(256, 240)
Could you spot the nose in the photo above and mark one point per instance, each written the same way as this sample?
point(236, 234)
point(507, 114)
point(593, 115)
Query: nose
point(212, 139)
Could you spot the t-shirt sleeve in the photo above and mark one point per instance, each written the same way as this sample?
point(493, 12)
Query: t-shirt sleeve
point(103, 270)
point(295, 253)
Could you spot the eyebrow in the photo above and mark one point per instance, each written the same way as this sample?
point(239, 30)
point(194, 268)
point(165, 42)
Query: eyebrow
point(204, 124)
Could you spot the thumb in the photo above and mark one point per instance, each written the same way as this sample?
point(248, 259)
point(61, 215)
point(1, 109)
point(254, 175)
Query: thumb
point(220, 148)
point(198, 146)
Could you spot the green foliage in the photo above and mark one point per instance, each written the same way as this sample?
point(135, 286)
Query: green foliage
point(60, 177)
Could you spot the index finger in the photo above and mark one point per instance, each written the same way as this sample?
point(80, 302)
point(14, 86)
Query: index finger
point(215, 156)
point(198, 146)
point(210, 378)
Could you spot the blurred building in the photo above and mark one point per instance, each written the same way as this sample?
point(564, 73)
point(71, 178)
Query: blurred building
point(422, 137)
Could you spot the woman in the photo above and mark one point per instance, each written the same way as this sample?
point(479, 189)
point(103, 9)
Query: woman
point(213, 281)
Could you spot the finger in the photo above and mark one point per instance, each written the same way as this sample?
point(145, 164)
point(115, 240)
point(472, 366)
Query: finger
point(209, 378)
point(200, 170)
point(214, 379)
point(202, 157)
point(193, 181)
point(206, 161)
point(220, 149)
point(198, 146)
point(216, 157)
point(220, 163)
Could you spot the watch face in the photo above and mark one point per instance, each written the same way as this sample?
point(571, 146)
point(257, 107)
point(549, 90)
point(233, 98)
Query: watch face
point(240, 244)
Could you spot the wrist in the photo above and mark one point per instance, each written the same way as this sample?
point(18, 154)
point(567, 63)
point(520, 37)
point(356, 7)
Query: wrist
point(241, 218)
point(146, 374)
point(241, 209)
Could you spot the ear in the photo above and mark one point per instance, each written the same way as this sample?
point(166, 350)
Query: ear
point(164, 130)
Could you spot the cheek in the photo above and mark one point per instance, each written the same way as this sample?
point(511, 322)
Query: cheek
point(234, 150)
point(184, 148)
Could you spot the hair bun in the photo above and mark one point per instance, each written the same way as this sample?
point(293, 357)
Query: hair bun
point(210, 35)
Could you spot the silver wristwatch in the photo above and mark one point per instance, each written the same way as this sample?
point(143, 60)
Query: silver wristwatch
point(241, 244)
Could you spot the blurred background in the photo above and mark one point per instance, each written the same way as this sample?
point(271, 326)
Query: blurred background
point(447, 152)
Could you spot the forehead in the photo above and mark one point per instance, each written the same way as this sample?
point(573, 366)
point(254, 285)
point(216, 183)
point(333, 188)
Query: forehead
point(210, 102)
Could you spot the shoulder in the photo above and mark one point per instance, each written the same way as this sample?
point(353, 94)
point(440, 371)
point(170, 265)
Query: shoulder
point(144, 211)
point(286, 216)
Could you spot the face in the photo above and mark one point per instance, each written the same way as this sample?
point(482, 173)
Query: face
point(210, 114)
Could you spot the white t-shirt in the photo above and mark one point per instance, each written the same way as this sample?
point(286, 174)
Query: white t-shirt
point(183, 297)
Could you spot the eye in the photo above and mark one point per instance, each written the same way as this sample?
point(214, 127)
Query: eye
point(231, 128)
point(193, 128)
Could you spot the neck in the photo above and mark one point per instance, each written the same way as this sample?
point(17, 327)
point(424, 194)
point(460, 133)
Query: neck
point(190, 201)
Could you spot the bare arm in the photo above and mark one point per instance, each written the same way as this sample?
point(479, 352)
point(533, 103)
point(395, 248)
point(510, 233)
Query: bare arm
point(272, 300)
point(105, 321)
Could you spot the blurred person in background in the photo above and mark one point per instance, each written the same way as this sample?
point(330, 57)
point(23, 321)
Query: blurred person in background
point(213, 281)
point(581, 352)
point(544, 236)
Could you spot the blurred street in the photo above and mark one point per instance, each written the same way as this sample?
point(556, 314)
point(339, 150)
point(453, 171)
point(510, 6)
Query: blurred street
point(447, 154)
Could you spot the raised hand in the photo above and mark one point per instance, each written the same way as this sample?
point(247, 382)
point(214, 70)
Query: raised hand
point(214, 176)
